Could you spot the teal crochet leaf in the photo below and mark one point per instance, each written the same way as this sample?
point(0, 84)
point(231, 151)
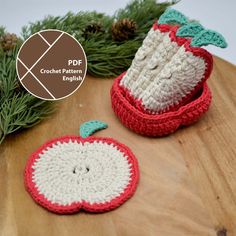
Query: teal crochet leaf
point(171, 16)
point(189, 30)
point(206, 37)
point(90, 127)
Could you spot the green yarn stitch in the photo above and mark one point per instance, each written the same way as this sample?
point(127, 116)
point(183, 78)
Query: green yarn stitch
point(206, 37)
point(201, 37)
point(90, 127)
point(171, 16)
point(189, 30)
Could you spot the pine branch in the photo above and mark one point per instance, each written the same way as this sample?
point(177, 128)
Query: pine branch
point(2, 31)
point(109, 59)
point(143, 12)
point(18, 109)
point(106, 58)
point(70, 23)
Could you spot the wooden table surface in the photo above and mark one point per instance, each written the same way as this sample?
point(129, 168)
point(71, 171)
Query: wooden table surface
point(187, 183)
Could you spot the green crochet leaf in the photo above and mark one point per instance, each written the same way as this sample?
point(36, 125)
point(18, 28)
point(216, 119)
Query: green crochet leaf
point(90, 127)
point(206, 37)
point(189, 30)
point(171, 16)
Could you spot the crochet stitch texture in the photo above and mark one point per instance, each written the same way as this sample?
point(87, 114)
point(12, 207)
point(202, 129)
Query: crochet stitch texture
point(72, 173)
point(165, 86)
point(90, 127)
point(157, 125)
point(171, 74)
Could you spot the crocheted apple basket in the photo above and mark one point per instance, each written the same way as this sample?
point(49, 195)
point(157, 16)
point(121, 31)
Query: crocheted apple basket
point(165, 87)
point(71, 173)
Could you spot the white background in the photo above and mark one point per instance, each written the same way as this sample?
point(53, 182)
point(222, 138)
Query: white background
point(214, 14)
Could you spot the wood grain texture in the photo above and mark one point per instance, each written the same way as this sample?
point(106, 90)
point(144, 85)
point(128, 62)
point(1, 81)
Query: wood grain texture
point(187, 183)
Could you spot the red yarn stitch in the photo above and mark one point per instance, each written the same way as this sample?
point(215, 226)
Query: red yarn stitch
point(199, 52)
point(196, 51)
point(75, 207)
point(162, 124)
point(162, 27)
point(135, 116)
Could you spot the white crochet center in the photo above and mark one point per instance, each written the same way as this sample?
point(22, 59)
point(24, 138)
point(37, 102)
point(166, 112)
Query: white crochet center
point(72, 172)
point(166, 75)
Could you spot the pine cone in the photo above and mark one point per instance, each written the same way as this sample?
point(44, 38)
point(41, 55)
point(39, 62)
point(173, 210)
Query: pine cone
point(8, 41)
point(123, 29)
point(92, 29)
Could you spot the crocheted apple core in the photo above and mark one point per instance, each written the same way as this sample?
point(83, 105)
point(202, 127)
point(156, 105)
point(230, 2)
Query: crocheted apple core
point(70, 173)
point(167, 76)
point(165, 86)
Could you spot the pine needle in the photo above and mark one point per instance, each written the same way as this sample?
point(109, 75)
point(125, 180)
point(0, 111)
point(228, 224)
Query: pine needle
point(106, 58)
point(18, 109)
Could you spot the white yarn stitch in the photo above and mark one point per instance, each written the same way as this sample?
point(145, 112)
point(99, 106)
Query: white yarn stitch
point(162, 73)
point(177, 79)
point(74, 172)
point(162, 55)
point(142, 56)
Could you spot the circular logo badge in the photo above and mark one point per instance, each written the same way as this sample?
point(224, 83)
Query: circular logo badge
point(51, 64)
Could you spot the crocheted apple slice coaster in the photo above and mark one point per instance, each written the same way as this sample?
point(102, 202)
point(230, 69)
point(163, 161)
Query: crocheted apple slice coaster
point(165, 86)
point(174, 68)
point(72, 173)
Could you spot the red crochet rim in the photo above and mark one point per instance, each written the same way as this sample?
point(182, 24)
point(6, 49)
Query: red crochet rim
point(76, 207)
point(157, 125)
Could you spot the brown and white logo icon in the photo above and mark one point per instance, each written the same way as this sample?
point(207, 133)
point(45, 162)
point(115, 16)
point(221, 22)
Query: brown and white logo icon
point(51, 64)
